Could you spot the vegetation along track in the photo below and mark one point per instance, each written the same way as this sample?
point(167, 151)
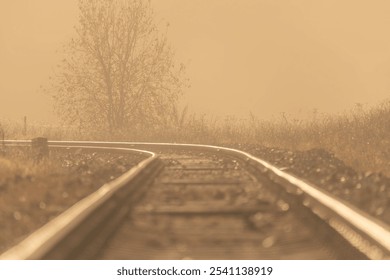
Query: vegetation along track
point(205, 202)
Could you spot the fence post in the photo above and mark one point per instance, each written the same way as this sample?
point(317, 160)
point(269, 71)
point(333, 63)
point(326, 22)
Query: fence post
point(25, 126)
point(2, 136)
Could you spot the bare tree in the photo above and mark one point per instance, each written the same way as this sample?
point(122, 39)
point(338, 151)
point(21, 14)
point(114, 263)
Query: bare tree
point(119, 71)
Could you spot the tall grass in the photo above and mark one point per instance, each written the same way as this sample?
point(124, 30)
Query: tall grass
point(360, 137)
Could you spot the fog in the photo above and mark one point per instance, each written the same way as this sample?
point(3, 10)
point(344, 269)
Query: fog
point(242, 56)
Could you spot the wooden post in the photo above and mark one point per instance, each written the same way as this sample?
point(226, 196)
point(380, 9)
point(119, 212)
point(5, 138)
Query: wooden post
point(2, 136)
point(40, 148)
point(25, 126)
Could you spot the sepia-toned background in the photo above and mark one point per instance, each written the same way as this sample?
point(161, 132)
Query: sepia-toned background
point(264, 57)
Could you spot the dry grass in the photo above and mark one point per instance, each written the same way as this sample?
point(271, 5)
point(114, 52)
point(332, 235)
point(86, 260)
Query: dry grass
point(20, 163)
point(361, 137)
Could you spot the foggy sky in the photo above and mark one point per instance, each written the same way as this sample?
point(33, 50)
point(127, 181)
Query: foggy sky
point(259, 56)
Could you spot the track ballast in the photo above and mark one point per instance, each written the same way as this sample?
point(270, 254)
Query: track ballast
point(205, 202)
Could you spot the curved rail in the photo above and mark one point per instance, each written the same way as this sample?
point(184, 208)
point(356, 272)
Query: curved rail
point(366, 233)
point(356, 226)
point(97, 207)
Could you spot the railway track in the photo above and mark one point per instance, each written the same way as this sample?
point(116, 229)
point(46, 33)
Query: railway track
point(204, 202)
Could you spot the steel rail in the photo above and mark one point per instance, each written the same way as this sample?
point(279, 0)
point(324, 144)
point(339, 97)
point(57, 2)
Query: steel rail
point(41, 243)
point(367, 234)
